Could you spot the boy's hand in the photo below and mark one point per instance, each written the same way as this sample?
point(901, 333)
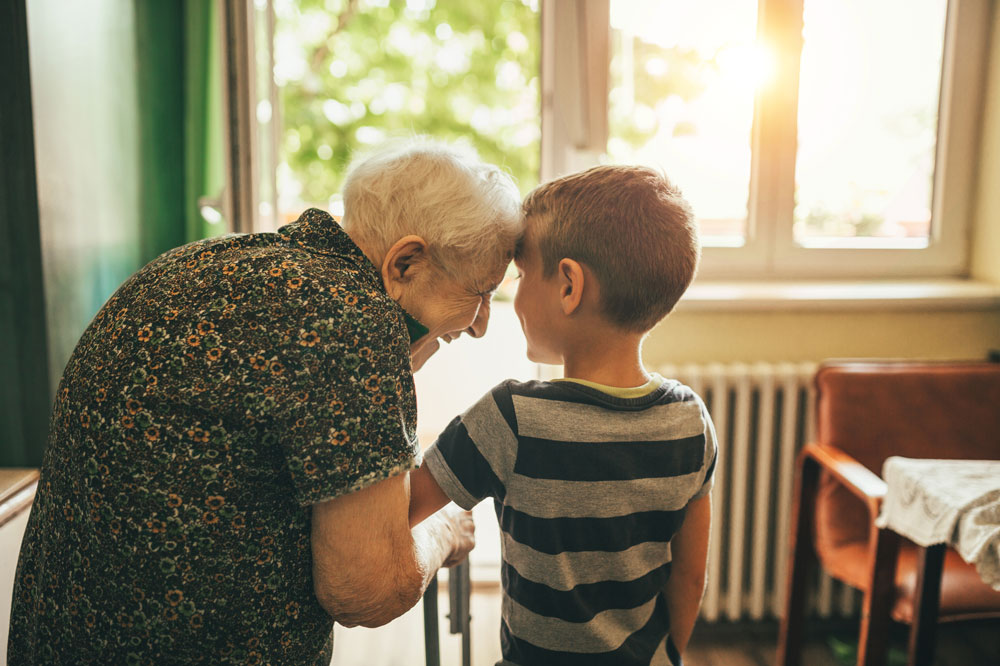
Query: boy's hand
point(464, 532)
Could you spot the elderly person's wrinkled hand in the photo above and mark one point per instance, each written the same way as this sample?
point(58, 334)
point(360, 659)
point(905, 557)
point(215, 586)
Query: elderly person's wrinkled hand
point(463, 530)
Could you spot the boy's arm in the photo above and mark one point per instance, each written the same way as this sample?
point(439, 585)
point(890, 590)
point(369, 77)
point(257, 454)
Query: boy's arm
point(426, 496)
point(468, 462)
point(686, 586)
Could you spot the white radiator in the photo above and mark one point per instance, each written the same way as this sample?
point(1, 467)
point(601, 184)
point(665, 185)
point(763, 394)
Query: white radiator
point(763, 414)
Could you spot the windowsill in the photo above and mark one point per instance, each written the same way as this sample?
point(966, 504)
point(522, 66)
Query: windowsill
point(914, 294)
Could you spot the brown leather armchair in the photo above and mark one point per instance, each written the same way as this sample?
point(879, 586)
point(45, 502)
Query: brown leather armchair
point(866, 412)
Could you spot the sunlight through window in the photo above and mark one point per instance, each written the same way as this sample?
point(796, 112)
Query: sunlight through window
point(682, 92)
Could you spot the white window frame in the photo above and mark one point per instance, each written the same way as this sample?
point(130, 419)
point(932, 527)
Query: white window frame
point(249, 200)
point(574, 80)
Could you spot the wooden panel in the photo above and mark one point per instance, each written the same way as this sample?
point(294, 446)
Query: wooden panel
point(15, 479)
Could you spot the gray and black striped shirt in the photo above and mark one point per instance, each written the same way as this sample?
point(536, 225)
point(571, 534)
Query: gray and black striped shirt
point(589, 488)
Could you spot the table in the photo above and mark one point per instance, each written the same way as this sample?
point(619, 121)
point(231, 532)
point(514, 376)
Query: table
point(937, 504)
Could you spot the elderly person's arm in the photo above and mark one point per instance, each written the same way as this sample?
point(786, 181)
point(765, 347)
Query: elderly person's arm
point(369, 567)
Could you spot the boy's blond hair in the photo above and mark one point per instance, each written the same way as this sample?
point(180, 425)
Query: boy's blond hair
point(631, 227)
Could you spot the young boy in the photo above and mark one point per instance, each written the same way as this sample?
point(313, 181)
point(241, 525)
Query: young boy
point(600, 480)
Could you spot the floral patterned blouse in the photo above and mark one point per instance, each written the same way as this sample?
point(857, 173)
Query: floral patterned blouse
point(226, 387)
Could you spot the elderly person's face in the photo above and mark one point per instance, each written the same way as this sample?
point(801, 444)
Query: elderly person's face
point(441, 226)
point(447, 306)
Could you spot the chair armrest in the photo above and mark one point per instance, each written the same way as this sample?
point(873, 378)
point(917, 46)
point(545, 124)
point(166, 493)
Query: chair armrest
point(857, 478)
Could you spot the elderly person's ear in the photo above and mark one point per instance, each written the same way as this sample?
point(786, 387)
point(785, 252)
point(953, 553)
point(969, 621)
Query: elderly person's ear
point(404, 260)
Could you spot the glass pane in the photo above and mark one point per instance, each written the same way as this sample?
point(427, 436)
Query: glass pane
point(867, 127)
point(683, 76)
point(354, 74)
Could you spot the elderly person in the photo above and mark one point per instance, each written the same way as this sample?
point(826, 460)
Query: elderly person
point(227, 466)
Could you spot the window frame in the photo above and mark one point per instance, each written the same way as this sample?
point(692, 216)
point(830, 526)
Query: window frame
point(576, 42)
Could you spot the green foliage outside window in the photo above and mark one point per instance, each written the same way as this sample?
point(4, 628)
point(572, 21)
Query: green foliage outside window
point(355, 73)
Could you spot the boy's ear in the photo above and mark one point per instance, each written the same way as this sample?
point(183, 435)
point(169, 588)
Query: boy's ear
point(404, 260)
point(570, 275)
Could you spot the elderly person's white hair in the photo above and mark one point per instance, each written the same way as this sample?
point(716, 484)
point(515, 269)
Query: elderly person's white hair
point(469, 212)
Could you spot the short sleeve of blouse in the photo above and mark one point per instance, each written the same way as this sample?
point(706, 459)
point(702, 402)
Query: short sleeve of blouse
point(342, 405)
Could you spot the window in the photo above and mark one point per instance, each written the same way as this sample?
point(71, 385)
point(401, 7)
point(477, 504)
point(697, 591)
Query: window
point(814, 139)
point(867, 120)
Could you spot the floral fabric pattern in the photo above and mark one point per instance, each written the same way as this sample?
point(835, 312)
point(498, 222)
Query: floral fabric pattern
point(225, 387)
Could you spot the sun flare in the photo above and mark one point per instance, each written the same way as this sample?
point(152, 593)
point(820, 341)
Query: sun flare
point(747, 65)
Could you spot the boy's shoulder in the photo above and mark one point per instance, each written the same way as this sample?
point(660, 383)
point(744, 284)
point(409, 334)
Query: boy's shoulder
point(572, 403)
point(568, 390)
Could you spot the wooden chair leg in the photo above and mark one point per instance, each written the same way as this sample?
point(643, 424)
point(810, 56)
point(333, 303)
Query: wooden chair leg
point(927, 597)
point(801, 559)
point(873, 641)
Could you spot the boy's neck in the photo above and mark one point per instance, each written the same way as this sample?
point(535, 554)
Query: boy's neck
point(612, 360)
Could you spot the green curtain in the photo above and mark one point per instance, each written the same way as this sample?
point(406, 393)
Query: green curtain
point(157, 183)
point(159, 32)
point(204, 170)
point(24, 386)
point(181, 115)
point(180, 112)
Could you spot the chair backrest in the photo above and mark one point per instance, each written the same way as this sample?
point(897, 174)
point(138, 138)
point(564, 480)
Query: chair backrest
point(876, 409)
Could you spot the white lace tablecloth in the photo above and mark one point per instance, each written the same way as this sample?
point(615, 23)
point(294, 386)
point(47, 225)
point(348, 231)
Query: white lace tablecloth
point(947, 501)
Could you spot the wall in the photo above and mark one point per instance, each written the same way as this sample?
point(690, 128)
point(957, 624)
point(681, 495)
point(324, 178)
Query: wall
point(11, 535)
point(687, 337)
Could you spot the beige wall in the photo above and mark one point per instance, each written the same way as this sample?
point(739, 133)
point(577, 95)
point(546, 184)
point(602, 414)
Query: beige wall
point(687, 337)
point(775, 336)
point(10, 547)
